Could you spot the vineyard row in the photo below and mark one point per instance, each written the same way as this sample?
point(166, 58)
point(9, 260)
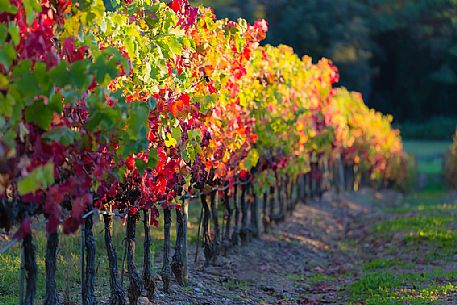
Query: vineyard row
point(131, 107)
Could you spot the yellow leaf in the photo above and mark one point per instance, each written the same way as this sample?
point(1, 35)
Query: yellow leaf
point(71, 28)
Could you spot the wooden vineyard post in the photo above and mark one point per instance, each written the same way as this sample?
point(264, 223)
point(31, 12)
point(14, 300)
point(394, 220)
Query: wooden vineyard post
point(229, 212)
point(265, 219)
point(166, 267)
point(207, 242)
point(177, 259)
point(244, 234)
point(185, 218)
point(254, 213)
point(135, 281)
point(215, 223)
point(51, 266)
point(89, 279)
point(117, 295)
point(30, 268)
point(147, 276)
point(236, 225)
point(272, 204)
point(341, 175)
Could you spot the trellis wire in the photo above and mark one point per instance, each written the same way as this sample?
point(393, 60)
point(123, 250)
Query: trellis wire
point(14, 241)
point(122, 215)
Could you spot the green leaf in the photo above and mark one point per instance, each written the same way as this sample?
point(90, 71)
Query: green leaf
point(176, 133)
point(175, 45)
point(59, 74)
point(111, 5)
point(46, 175)
point(31, 7)
point(137, 120)
point(3, 33)
point(55, 103)
point(141, 166)
point(170, 46)
point(7, 7)
point(14, 32)
point(153, 158)
point(40, 178)
point(10, 138)
point(28, 184)
point(100, 120)
point(26, 80)
point(251, 160)
point(206, 103)
point(152, 103)
point(194, 135)
point(7, 55)
point(189, 153)
point(79, 76)
point(6, 105)
point(104, 69)
point(39, 114)
point(62, 135)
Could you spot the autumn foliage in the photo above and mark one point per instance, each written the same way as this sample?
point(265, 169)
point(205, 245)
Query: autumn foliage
point(129, 110)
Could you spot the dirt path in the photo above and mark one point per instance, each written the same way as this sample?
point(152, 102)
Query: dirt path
point(306, 260)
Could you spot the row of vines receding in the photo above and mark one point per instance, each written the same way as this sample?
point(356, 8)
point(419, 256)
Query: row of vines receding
point(133, 110)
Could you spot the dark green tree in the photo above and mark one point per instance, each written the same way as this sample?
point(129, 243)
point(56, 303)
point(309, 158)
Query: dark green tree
point(401, 54)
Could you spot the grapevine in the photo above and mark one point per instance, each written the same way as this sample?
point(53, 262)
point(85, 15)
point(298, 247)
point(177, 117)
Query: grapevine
point(131, 110)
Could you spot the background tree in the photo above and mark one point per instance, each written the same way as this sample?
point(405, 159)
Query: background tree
point(402, 55)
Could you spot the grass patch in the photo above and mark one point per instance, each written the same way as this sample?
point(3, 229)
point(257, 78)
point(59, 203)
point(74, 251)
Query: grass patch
point(406, 288)
point(425, 197)
point(235, 284)
point(320, 277)
point(295, 276)
point(429, 233)
point(418, 223)
point(423, 230)
point(313, 279)
point(430, 209)
point(382, 263)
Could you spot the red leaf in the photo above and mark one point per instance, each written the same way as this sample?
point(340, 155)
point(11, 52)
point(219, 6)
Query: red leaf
point(185, 99)
point(51, 59)
point(211, 88)
point(52, 225)
point(175, 5)
point(54, 196)
point(113, 190)
point(71, 225)
point(74, 221)
point(133, 211)
point(244, 175)
point(130, 163)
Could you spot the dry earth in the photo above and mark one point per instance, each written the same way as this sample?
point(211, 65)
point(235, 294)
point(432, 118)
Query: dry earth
point(290, 264)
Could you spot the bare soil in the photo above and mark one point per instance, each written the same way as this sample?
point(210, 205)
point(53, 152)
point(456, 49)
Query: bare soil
point(305, 260)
